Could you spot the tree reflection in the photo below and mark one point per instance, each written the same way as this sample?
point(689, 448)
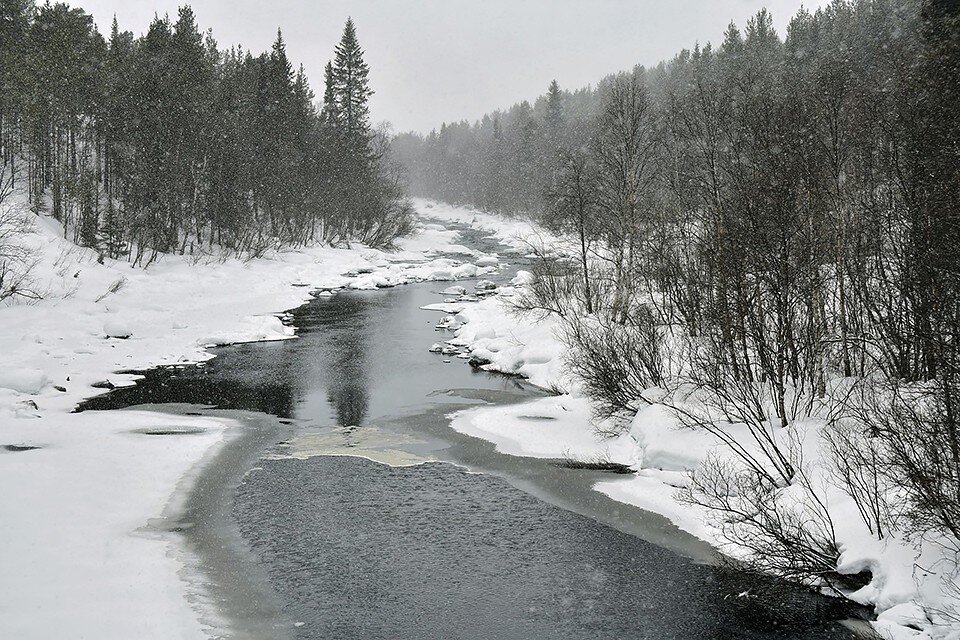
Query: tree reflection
point(201, 386)
point(351, 402)
point(348, 380)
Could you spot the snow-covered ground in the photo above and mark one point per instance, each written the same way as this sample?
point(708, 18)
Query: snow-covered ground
point(85, 495)
point(911, 581)
point(82, 545)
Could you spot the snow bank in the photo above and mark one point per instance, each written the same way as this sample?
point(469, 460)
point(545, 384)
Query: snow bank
point(510, 344)
point(908, 579)
point(81, 554)
point(78, 546)
point(552, 427)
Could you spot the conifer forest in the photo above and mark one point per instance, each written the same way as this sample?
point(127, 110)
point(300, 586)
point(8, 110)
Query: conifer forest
point(166, 143)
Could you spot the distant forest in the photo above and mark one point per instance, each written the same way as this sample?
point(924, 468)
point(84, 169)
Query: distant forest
point(767, 231)
point(166, 143)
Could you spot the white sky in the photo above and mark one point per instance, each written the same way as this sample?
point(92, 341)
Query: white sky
point(443, 60)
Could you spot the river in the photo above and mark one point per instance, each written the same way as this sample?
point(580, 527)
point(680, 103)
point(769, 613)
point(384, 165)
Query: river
point(345, 507)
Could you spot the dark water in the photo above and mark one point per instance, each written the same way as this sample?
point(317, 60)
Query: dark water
point(360, 356)
point(357, 549)
point(362, 550)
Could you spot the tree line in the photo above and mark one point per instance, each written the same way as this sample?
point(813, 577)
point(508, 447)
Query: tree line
point(769, 230)
point(166, 143)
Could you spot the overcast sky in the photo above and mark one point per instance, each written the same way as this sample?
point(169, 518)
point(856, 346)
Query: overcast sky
point(441, 60)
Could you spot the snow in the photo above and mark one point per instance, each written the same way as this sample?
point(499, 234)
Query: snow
point(910, 578)
point(551, 427)
point(83, 546)
point(81, 557)
point(23, 380)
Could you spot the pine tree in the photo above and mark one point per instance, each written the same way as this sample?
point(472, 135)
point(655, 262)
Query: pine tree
point(554, 116)
point(351, 88)
point(331, 112)
point(15, 18)
point(164, 143)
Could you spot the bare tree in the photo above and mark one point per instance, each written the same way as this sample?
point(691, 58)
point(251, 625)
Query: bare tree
point(16, 259)
point(572, 208)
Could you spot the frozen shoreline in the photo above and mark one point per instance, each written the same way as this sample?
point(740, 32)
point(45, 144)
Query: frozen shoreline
point(88, 550)
point(902, 590)
point(85, 549)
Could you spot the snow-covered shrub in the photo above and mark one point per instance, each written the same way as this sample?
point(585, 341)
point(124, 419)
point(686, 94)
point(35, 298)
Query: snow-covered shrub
point(858, 457)
point(783, 531)
point(715, 398)
point(552, 285)
point(914, 429)
point(616, 362)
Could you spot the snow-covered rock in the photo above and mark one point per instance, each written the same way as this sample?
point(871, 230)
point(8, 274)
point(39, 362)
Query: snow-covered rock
point(117, 328)
point(485, 285)
point(455, 290)
point(522, 278)
point(24, 380)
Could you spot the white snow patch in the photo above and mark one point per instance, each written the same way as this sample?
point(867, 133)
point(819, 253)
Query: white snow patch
point(24, 380)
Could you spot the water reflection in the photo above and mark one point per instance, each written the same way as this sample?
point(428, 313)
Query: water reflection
point(345, 368)
point(211, 385)
point(360, 356)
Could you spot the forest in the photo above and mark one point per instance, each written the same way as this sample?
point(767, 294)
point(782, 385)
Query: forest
point(140, 146)
point(764, 234)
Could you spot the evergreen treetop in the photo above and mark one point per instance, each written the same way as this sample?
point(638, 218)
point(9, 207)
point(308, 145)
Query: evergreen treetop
point(351, 88)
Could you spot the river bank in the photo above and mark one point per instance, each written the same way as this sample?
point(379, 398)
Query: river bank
point(910, 584)
point(352, 548)
point(85, 495)
point(106, 496)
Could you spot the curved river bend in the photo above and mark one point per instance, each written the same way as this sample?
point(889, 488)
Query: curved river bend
point(347, 507)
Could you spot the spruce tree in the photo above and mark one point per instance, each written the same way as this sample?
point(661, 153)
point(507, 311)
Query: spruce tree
point(554, 115)
point(331, 110)
point(351, 86)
